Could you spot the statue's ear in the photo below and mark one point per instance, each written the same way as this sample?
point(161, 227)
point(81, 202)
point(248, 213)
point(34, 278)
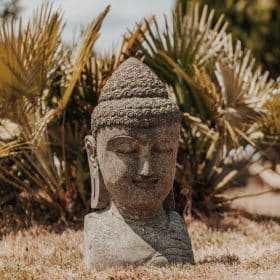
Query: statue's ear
point(90, 148)
point(99, 195)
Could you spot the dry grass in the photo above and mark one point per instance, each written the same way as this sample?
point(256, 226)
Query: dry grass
point(240, 248)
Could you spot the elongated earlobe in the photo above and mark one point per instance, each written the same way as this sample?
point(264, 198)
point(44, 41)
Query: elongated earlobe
point(99, 195)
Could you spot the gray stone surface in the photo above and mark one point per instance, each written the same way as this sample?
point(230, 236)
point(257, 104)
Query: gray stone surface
point(112, 240)
point(132, 157)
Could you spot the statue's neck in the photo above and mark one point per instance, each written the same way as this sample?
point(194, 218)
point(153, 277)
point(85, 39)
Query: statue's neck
point(131, 214)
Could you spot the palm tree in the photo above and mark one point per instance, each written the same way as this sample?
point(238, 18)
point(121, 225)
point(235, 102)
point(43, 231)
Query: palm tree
point(30, 61)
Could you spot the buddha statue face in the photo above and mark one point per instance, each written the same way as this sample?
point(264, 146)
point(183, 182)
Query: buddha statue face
point(138, 164)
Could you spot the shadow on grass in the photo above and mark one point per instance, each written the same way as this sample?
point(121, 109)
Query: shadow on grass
point(14, 218)
point(230, 259)
point(261, 217)
point(231, 219)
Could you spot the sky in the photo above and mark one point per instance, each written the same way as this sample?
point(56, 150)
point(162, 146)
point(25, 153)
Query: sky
point(123, 14)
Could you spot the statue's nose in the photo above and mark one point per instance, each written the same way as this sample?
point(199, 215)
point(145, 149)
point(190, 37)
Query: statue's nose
point(145, 168)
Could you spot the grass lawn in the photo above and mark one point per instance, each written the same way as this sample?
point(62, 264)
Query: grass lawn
point(236, 247)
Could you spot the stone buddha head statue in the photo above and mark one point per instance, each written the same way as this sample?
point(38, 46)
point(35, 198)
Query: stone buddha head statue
point(133, 143)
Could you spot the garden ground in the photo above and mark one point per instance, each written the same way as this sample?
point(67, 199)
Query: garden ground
point(237, 246)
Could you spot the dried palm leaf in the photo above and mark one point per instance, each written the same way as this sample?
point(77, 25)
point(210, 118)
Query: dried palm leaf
point(271, 121)
point(192, 39)
point(27, 56)
point(79, 59)
point(13, 147)
point(253, 83)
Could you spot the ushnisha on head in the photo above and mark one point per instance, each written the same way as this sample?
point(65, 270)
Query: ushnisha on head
point(133, 146)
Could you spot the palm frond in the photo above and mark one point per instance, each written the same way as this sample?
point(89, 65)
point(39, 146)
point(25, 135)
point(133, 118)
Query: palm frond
point(13, 147)
point(197, 122)
point(193, 38)
point(240, 108)
point(271, 121)
point(27, 56)
point(252, 81)
point(79, 58)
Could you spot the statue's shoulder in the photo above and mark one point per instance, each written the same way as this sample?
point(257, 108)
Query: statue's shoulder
point(176, 221)
point(97, 215)
point(101, 221)
point(97, 220)
point(175, 216)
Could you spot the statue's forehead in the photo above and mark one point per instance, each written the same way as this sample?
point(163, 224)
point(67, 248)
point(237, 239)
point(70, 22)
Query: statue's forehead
point(162, 131)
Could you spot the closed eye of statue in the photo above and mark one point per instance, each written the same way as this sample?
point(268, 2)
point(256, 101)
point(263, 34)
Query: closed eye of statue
point(123, 145)
point(163, 146)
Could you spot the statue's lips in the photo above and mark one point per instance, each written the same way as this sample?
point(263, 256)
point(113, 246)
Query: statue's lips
point(145, 182)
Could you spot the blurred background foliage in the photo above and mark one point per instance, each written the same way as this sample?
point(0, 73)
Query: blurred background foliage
point(9, 8)
point(48, 91)
point(256, 23)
